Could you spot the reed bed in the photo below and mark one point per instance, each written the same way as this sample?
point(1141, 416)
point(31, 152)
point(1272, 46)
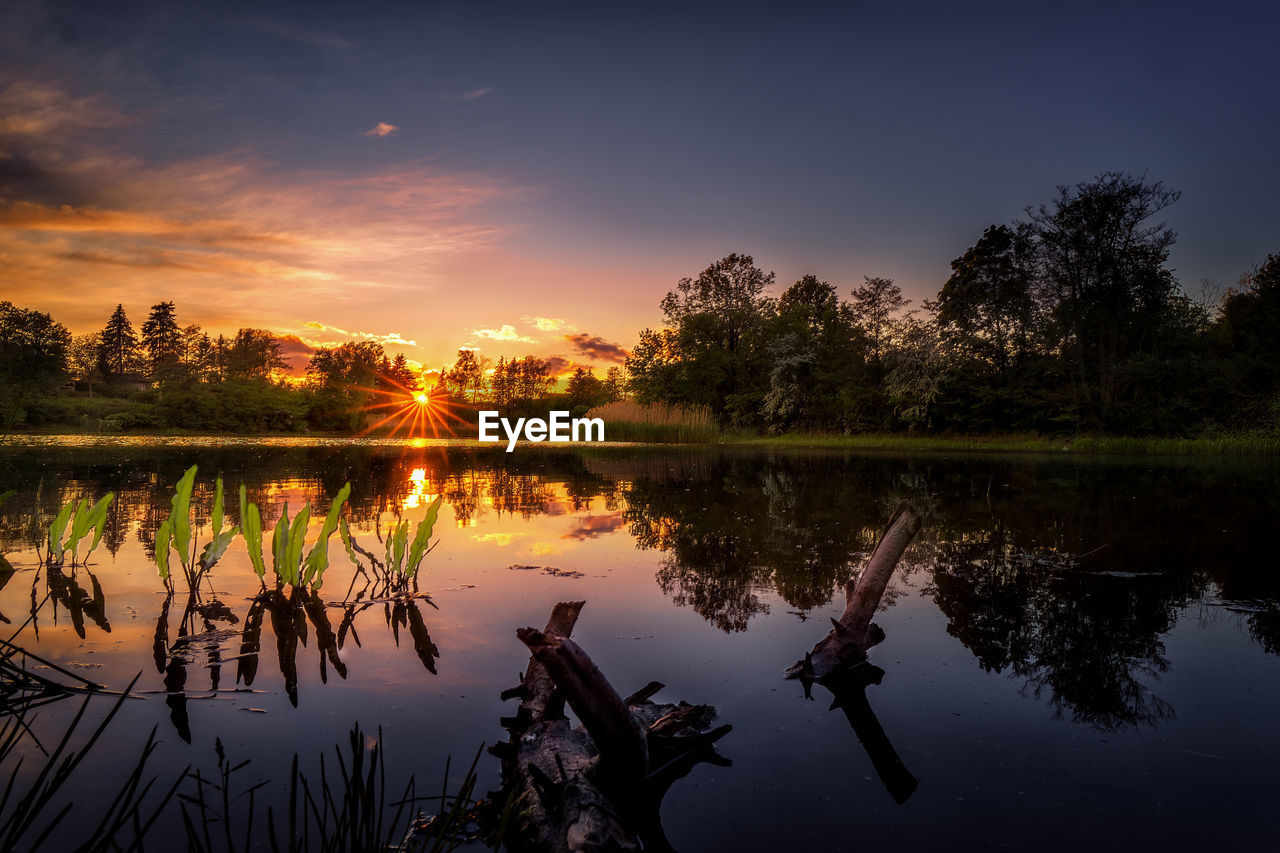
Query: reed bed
point(627, 420)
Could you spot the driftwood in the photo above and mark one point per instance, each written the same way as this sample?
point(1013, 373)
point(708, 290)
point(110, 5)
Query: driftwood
point(854, 632)
point(839, 660)
point(597, 787)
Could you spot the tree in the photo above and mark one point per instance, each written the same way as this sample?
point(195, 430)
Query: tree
point(162, 341)
point(83, 361)
point(531, 377)
point(817, 359)
point(33, 358)
point(615, 384)
point(718, 356)
point(585, 389)
point(254, 355)
point(1248, 331)
point(342, 380)
point(466, 377)
point(502, 385)
point(988, 309)
point(876, 306)
point(350, 365)
point(119, 354)
point(1102, 258)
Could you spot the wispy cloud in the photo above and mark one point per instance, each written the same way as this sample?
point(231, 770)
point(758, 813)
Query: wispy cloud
point(388, 339)
point(548, 324)
point(505, 332)
point(381, 129)
point(36, 109)
point(597, 348)
point(473, 95)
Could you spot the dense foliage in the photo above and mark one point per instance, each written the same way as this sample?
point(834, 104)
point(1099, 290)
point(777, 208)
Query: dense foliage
point(1070, 321)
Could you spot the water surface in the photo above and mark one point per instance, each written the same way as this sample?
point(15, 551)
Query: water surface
point(1079, 651)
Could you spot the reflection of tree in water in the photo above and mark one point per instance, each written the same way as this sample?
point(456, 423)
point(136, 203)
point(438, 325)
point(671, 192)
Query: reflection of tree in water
point(1083, 642)
point(1085, 634)
point(740, 529)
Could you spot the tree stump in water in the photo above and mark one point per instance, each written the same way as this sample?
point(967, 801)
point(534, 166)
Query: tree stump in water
point(597, 787)
point(853, 633)
point(839, 660)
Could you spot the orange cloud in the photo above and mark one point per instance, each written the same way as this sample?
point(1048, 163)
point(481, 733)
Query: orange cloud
point(381, 129)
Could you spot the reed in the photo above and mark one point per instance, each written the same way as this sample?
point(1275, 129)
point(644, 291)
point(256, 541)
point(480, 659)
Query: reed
point(627, 420)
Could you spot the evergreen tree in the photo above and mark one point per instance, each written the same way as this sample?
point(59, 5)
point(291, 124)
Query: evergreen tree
point(118, 347)
point(162, 340)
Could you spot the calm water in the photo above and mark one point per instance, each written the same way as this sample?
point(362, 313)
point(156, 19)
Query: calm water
point(1078, 651)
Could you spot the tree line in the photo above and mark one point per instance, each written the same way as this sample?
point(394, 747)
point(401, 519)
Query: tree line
point(1067, 321)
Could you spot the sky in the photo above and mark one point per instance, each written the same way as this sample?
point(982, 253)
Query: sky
point(533, 178)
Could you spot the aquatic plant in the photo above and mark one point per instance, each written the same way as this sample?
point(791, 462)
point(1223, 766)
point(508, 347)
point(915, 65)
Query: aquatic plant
point(176, 533)
point(289, 539)
point(402, 557)
point(83, 520)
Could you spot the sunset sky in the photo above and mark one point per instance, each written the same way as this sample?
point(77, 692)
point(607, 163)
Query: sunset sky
point(534, 177)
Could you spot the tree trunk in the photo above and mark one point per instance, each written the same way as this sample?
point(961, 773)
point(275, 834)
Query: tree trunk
point(853, 633)
point(597, 787)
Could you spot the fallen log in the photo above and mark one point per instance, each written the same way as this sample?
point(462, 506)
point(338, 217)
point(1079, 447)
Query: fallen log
point(853, 633)
point(597, 787)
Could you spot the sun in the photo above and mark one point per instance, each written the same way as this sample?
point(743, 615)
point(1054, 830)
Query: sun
point(415, 411)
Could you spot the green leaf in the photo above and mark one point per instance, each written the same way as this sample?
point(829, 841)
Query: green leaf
point(318, 558)
point(217, 508)
point(348, 542)
point(251, 530)
point(163, 536)
point(217, 547)
point(422, 538)
point(4, 497)
point(280, 545)
point(98, 520)
point(297, 538)
point(401, 539)
point(79, 527)
point(56, 531)
point(180, 515)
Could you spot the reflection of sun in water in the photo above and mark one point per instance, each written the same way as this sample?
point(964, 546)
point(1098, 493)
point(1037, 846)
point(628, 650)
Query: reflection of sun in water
point(418, 494)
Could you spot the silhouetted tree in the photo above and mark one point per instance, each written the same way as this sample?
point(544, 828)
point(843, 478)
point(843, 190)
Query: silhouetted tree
point(254, 355)
point(162, 341)
point(33, 358)
point(1102, 258)
point(119, 353)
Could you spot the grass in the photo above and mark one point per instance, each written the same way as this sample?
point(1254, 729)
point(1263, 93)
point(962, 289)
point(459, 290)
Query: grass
point(657, 423)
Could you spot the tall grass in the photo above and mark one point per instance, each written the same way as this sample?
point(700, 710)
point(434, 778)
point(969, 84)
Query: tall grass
point(627, 420)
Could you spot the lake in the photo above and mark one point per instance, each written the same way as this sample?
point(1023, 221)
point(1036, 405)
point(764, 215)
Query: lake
point(1079, 652)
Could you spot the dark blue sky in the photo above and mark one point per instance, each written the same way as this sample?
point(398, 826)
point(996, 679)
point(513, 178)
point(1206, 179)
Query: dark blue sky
point(571, 162)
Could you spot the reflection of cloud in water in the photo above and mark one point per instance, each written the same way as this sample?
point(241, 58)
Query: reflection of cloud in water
point(591, 526)
point(544, 548)
point(499, 539)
